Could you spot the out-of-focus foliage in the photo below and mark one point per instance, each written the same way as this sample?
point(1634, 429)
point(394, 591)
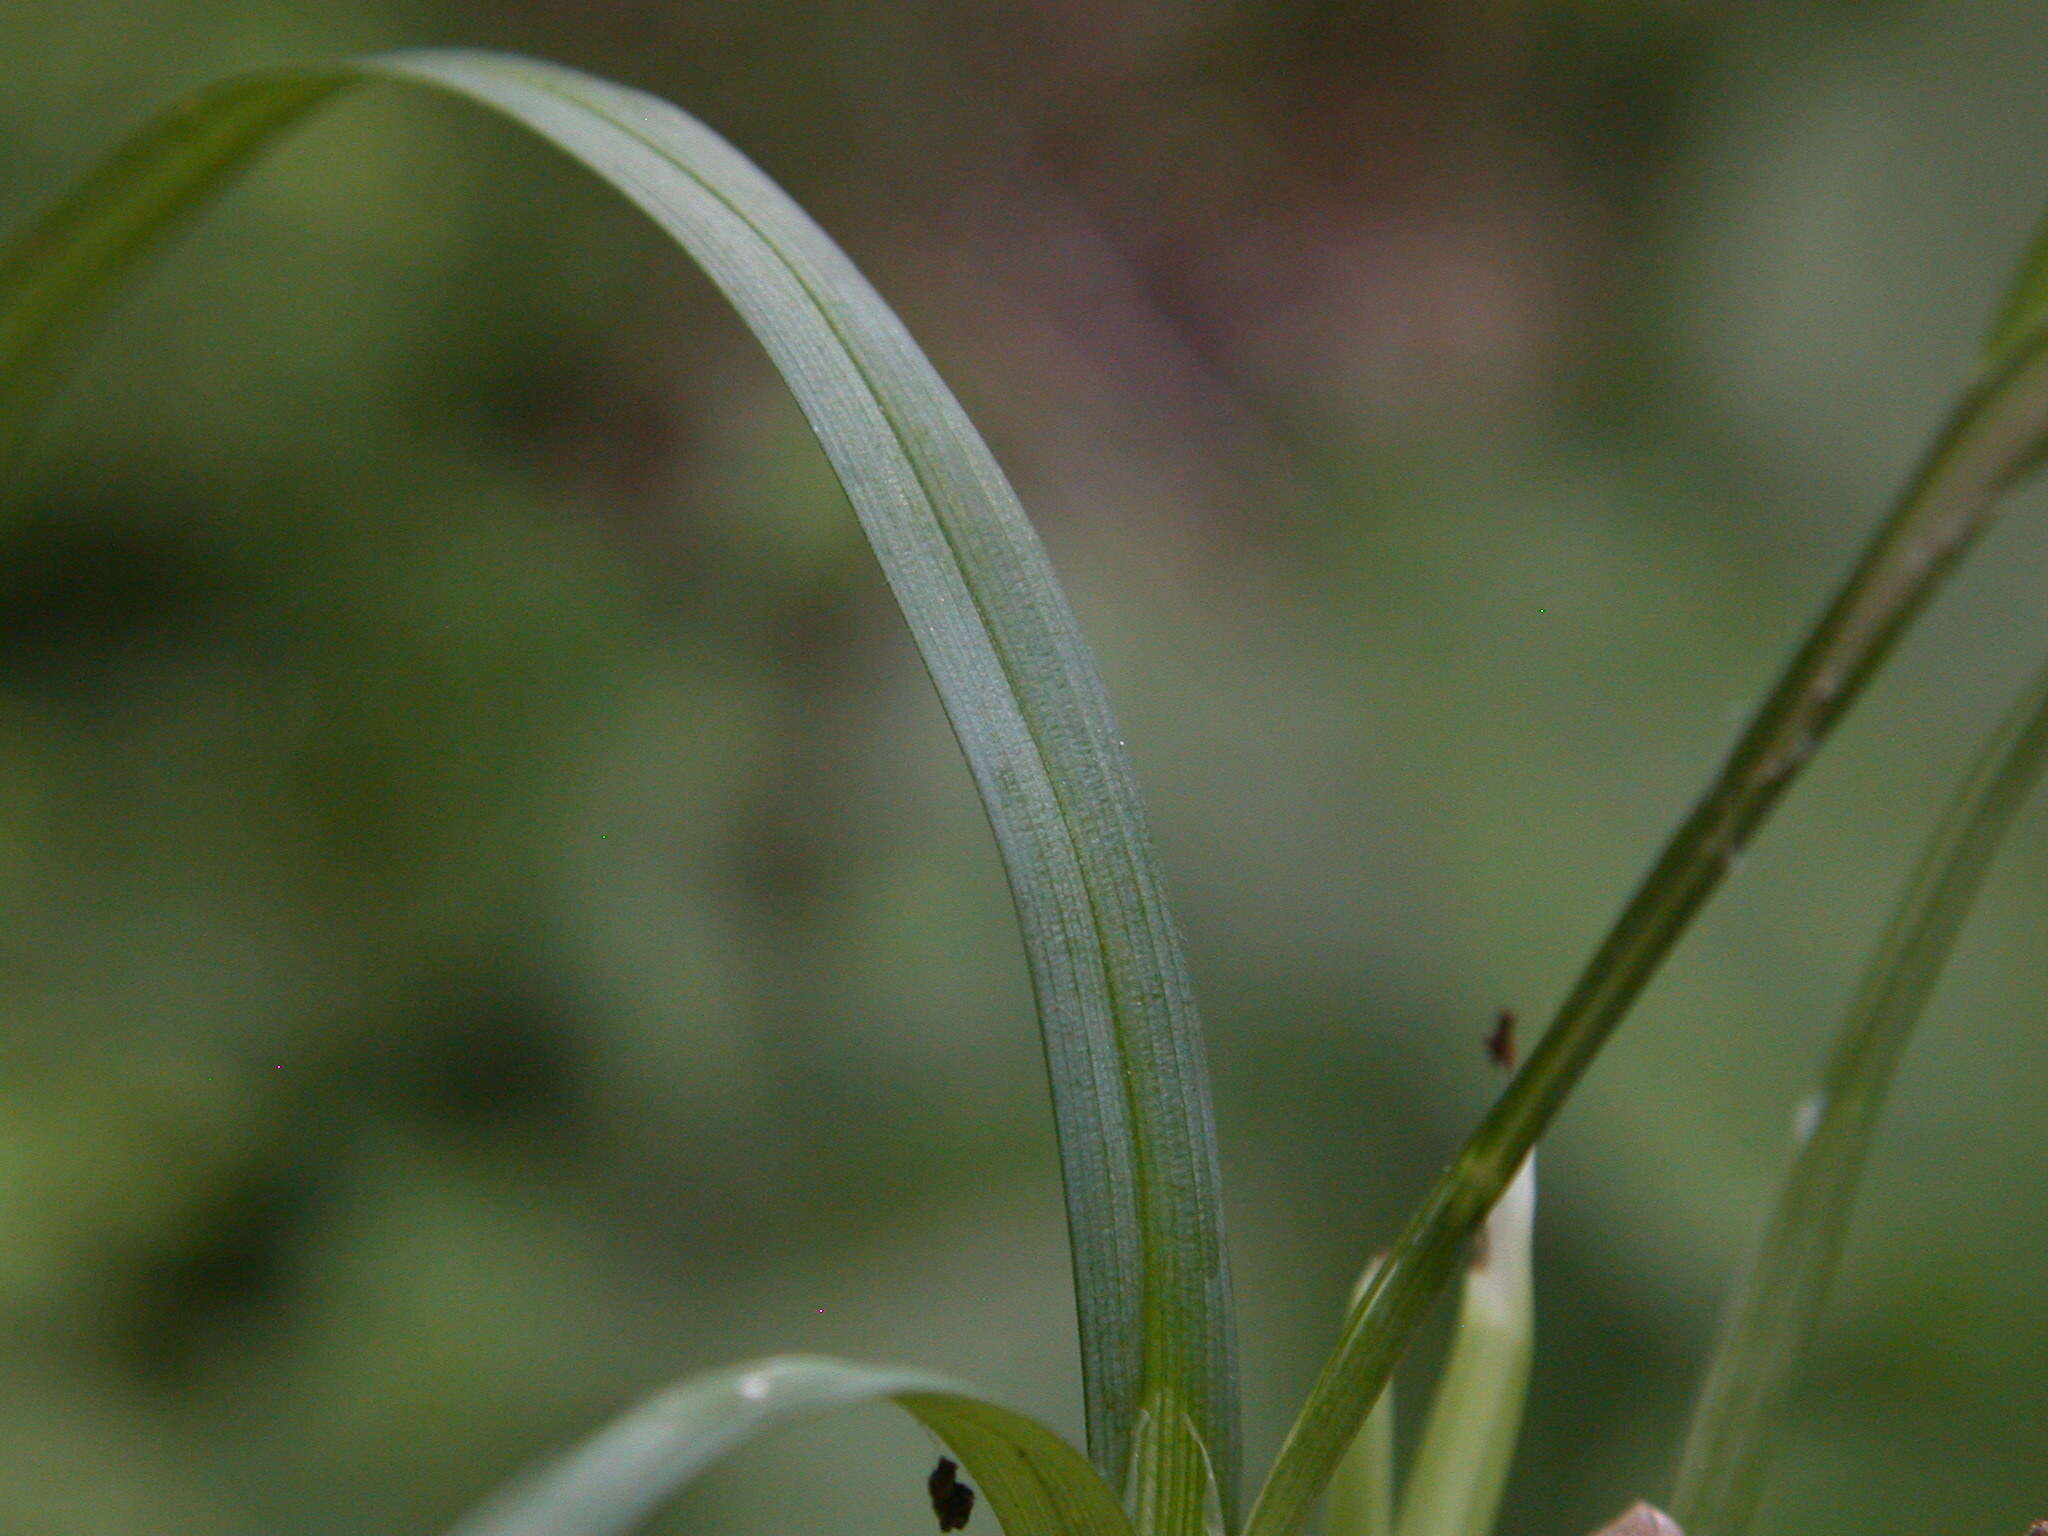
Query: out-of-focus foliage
point(495, 920)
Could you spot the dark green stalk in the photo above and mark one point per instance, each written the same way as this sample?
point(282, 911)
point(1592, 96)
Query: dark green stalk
point(1363, 1486)
point(1992, 438)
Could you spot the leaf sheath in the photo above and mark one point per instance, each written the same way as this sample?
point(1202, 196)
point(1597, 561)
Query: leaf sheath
point(1461, 1464)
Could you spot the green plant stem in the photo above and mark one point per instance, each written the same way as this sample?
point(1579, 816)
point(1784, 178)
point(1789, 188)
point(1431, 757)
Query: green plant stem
point(1772, 1320)
point(1461, 1466)
point(1993, 437)
point(1362, 1488)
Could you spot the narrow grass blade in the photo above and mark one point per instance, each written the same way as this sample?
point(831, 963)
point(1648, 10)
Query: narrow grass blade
point(1122, 1041)
point(1461, 1466)
point(1362, 1489)
point(1994, 436)
point(1772, 1320)
point(1037, 1484)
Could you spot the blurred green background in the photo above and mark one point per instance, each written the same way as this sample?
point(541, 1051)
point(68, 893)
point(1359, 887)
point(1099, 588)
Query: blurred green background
point(494, 919)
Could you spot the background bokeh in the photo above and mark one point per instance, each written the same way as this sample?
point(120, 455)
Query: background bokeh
point(494, 919)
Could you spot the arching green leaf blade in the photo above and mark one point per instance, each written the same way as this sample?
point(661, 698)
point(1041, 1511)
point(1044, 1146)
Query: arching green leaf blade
point(1122, 1040)
point(1772, 1320)
point(1037, 1484)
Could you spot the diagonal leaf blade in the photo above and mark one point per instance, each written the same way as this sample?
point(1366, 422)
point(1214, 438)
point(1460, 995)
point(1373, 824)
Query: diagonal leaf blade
point(1772, 1320)
point(1122, 1040)
point(1037, 1484)
point(1363, 1487)
point(1995, 435)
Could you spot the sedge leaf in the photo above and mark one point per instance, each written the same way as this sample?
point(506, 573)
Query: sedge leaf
point(1772, 1320)
point(1037, 1484)
point(1122, 1041)
point(1994, 436)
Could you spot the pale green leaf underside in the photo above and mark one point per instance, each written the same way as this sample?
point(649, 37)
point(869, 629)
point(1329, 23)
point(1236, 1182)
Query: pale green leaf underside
point(1772, 1320)
point(1122, 1040)
point(1037, 1484)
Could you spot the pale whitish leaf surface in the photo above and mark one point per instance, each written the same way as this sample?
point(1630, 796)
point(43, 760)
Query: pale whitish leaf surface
point(1123, 1046)
point(1037, 1484)
point(1461, 1466)
point(1771, 1323)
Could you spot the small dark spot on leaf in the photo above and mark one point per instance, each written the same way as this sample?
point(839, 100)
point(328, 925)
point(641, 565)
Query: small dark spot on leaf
point(1500, 1040)
point(952, 1500)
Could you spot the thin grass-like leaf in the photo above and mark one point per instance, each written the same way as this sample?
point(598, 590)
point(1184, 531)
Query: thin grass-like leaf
point(1362, 1489)
point(1772, 1319)
point(1122, 1040)
point(1461, 1466)
point(1995, 435)
point(1037, 1484)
